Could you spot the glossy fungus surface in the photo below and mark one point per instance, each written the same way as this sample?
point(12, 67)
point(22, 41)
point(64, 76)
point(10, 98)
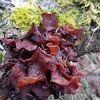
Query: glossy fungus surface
point(40, 61)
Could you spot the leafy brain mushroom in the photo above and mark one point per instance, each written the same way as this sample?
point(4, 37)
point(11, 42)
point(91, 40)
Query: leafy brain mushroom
point(40, 61)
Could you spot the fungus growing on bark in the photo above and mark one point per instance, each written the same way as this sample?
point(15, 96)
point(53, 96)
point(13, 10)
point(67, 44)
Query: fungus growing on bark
point(40, 61)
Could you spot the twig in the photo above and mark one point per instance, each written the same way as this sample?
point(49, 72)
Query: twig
point(57, 29)
point(95, 60)
point(90, 40)
point(92, 71)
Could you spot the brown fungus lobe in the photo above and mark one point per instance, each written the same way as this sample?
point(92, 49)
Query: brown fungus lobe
point(37, 69)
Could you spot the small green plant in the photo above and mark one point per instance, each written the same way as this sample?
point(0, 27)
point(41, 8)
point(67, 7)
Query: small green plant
point(1, 56)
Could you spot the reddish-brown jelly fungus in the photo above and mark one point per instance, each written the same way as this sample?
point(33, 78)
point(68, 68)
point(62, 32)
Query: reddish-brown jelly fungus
point(40, 61)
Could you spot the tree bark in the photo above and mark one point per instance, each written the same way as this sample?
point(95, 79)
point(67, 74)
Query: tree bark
point(4, 3)
point(91, 44)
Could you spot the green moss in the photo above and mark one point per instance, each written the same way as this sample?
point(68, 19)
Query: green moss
point(64, 2)
point(24, 15)
point(4, 15)
point(71, 16)
point(74, 12)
